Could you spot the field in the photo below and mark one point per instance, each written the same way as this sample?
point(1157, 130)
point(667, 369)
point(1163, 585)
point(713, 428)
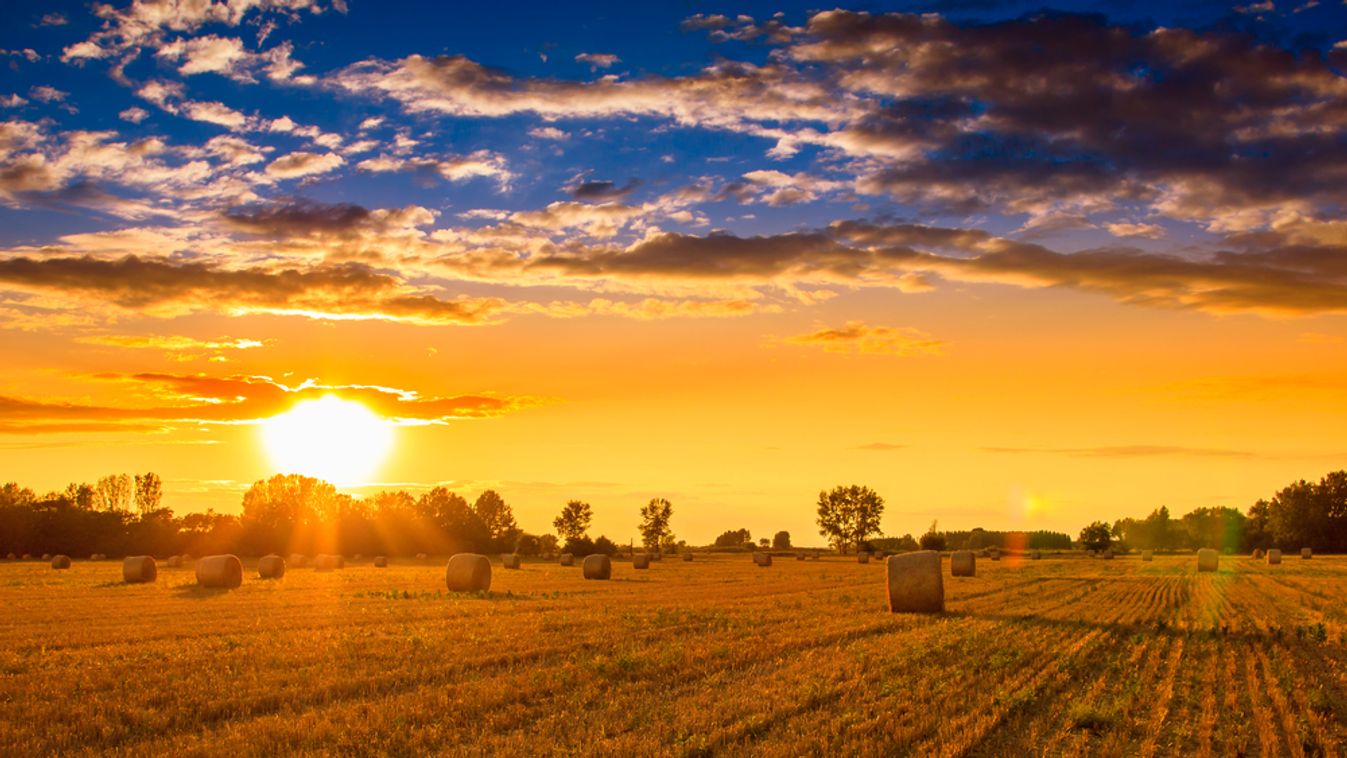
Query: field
point(1067, 655)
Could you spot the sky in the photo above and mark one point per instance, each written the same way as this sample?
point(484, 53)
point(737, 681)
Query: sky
point(1010, 266)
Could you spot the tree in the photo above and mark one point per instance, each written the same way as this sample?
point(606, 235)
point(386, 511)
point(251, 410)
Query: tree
point(781, 541)
point(604, 546)
point(498, 517)
point(149, 492)
point(734, 538)
point(82, 496)
point(654, 526)
point(113, 493)
point(848, 515)
point(933, 539)
point(459, 526)
point(1096, 536)
point(573, 523)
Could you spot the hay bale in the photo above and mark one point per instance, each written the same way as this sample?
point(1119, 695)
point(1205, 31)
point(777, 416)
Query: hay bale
point(799, 556)
point(640, 561)
point(657, 556)
point(328, 562)
point(468, 572)
point(380, 562)
point(358, 557)
point(567, 559)
point(687, 557)
point(11, 557)
point(46, 556)
point(597, 567)
point(139, 569)
point(1306, 554)
point(994, 554)
point(60, 562)
point(270, 567)
point(915, 584)
point(219, 572)
point(174, 561)
point(1108, 554)
point(421, 556)
point(963, 563)
point(862, 557)
point(1274, 557)
point(511, 560)
point(1208, 559)
point(1257, 553)
point(27, 557)
point(1035, 555)
point(813, 557)
point(1148, 555)
point(763, 560)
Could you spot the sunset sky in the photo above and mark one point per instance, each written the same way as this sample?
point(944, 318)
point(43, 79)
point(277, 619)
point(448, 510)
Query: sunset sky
point(1011, 268)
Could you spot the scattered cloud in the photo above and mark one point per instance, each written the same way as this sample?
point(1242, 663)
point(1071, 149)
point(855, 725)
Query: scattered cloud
point(858, 337)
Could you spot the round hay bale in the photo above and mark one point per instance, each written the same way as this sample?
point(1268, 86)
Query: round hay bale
point(297, 560)
point(468, 572)
point(219, 572)
point(567, 559)
point(994, 554)
point(139, 569)
point(640, 561)
point(1035, 555)
point(380, 562)
point(270, 567)
point(421, 556)
point(11, 557)
point(862, 557)
point(174, 561)
point(1274, 557)
point(915, 583)
point(27, 557)
point(326, 562)
point(963, 563)
point(799, 556)
point(511, 560)
point(1208, 559)
point(1108, 554)
point(597, 567)
point(358, 557)
point(687, 557)
point(1306, 554)
point(1257, 553)
point(60, 562)
point(46, 556)
point(1148, 555)
point(657, 556)
point(763, 560)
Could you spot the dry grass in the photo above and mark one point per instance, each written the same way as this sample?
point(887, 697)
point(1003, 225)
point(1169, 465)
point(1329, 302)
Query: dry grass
point(1057, 656)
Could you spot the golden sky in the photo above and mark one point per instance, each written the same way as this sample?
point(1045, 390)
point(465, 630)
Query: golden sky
point(745, 262)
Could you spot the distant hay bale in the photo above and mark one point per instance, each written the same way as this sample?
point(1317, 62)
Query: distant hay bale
point(915, 584)
point(994, 554)
point(468, 572)
point(60, 562)
point(46, 556)
point(813, 557)
point(640, 561)
point(1035, 555)
point(271, 567)
point(139, 569)
point(762, 559)
point(186, 558)
point(98, 557)
point(1306, 553)
point(1207, 559)
point(862, 557)
point(597, 567)
point(380, 562)
point(328, 562)
point(657, 556)
point(11, 557)
point(421, 556)
point(174, 561)
point(799, 556)
point(1108, 554)
point(297, 560)
point(1090, 553)
point(963, 563)
point(687, 557)
point(219, 572)
point(358, 557)
point(1148, 555)
point(511, 560)
point(1257, 553)
point(1274, 557)
point(567, 559)
point(27, 557)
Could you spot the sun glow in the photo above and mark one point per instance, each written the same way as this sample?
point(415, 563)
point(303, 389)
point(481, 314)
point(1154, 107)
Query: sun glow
point(337, 440)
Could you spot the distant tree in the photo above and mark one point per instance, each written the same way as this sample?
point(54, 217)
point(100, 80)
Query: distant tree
point(82, 496)
point(113, 493)
point(458, 526)
point(764, 542)
point(654, 526)
point(933, 539)
point(527, 544)
point(149, 492)
point(548, 543)
point(847, 515)
point(12, 495)
point(734, 538)
point(604, 546)
point(498, 517)
point(903, 544)
point(781, 541)
point(573, 523)
point(1096, 536)
point(1214, 527)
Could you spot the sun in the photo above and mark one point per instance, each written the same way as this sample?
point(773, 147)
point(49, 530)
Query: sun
point(336, 440)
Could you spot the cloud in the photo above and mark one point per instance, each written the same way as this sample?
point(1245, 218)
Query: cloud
point(549, 132)
point(453, 168)
point(303, 163)
point(203, 399)
point(598, 60)
point(134, 114)
point(858, 337)
point(177, 347)
point(601, 190)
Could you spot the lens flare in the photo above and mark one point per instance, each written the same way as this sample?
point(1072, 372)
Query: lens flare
point(336, 440)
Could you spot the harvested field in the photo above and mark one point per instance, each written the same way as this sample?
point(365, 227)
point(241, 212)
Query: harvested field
point(1056, 656)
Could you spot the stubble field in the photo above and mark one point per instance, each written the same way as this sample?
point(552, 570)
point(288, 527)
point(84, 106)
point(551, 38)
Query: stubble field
point(1066, 655)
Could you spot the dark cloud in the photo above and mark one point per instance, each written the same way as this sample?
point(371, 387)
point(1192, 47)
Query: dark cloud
point(602, 191)
point(299, 217)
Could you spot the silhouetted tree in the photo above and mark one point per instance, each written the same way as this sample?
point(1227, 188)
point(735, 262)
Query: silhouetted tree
point(113, 493)
point(734, 538)
point(847, 515)
point(573, 523)
point(498, 517)
point(933, 539)
point(149, 492)
point(654, 526)
point(781, 541)
point(1096, 536)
